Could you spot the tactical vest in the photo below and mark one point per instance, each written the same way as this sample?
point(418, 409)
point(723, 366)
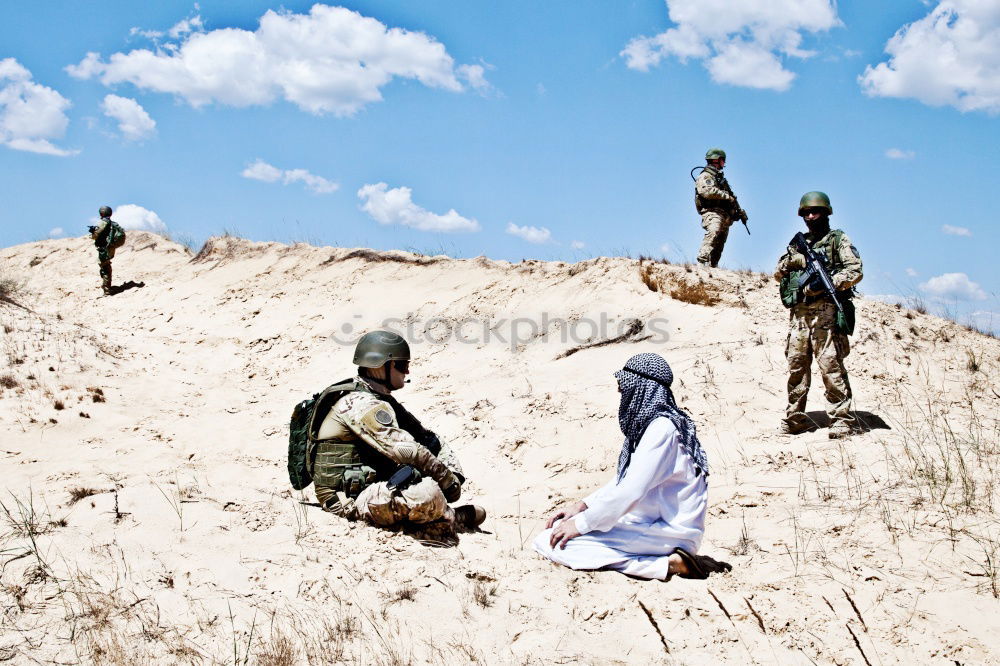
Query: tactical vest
point(347, 464)
point(702, 205)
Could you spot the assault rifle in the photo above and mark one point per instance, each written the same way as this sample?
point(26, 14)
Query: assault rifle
point(816, 270)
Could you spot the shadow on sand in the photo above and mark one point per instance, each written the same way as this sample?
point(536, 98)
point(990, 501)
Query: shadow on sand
point(126, 286)
point(866, 421)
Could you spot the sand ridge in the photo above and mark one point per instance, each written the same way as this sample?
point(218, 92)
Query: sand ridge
point(879, 548)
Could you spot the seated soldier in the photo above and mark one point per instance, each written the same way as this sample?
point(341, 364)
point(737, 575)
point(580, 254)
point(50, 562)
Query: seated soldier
point(375, 461)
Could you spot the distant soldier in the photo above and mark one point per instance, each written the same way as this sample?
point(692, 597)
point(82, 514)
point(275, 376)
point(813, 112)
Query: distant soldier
point(818, 327)
point(717, 205)
point(108, 236)
point(375, 461)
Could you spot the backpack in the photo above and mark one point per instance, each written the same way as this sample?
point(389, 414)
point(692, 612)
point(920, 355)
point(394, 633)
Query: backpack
point(307, 416)
point(116, 236)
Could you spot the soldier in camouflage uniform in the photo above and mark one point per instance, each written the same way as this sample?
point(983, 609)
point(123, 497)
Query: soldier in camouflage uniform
point(106, 240)
point(814, 330)
point(717, 205)
point(368, 437)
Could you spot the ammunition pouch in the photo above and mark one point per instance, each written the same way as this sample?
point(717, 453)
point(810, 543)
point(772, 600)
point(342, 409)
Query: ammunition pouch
point(338, 466)
point(790, 288)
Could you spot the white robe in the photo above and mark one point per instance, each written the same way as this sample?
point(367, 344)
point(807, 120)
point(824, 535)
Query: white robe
point(633, 526)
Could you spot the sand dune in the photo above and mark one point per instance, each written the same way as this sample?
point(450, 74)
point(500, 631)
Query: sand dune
point(147, 511)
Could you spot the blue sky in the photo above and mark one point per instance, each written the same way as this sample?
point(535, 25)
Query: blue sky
point(516, 129)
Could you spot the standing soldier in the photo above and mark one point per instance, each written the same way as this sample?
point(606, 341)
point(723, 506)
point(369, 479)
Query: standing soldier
point(375, 461)
point(108, 236)
point(717, 205)
point(818, 327)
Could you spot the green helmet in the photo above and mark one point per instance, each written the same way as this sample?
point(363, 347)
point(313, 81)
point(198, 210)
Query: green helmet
point(376, 348)
point(105, 211)
point(715, 154)
point(815, 200)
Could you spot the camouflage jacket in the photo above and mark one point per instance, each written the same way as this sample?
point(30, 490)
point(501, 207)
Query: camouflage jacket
point(368, 417)
point(843, 262)
point(712, 192)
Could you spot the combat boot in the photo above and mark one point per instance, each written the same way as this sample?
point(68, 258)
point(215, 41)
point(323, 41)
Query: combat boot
point(795, 428)
point(839, 431)
point(469, 516)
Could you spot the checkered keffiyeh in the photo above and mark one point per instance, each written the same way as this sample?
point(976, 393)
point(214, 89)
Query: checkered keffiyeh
point(645, 385)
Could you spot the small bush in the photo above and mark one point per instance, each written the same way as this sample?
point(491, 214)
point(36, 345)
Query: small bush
point(8, 381)
point(59, 405)
point(650, 278)
point(696, 293)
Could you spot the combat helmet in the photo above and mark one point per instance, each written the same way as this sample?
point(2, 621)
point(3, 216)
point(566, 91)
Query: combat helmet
point(105, 211)
point(376, 348)
point(715, 154)
point(815, 200)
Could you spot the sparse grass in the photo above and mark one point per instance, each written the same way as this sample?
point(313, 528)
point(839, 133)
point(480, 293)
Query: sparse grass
point(483, 593)
point(405, 593)
point(973, 362)
point(649, 277)
point(697, 293)
point(79, 493)
point(10, 288)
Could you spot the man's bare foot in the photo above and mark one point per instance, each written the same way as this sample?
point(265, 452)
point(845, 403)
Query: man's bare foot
point(677, 566)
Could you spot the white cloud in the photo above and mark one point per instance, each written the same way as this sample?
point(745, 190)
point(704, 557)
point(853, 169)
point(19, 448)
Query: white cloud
point(955, 231)
point(741, 43)
point(396, 206)
point(133, 121)
point(193, 24)
point(131, 216)
point(261, 170)
point(56, 232)
point(911, 273)
point(30, 114)
point(331, 60)
point(899, 154)
point(954, 286)
point(949, 57)
point(577, 245)
point(537, 235)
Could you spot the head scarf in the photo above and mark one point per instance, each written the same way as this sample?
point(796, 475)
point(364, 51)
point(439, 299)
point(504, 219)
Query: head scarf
point(645, 385)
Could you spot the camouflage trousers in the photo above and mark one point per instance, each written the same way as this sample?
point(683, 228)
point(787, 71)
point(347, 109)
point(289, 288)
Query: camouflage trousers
point(813, 335)
point(421, 503)
point(716, 226)
point(104, 257)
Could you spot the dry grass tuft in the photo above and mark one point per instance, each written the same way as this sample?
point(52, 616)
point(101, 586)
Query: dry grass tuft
point(79, 493)
point(696, 293)
point(374, 256)
point(8, 382)
point(649, 277)
point(483, 594)
point(279, 651)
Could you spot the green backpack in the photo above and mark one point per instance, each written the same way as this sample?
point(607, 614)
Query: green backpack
point(307, 416)
point(116, 235)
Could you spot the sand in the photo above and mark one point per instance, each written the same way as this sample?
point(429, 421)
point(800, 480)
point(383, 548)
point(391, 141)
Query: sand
point(148, 516)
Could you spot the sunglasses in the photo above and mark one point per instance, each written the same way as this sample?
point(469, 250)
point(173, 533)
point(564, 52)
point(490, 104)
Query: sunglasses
point(402, 366)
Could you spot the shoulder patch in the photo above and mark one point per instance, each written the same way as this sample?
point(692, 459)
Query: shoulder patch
point(855, 251)
point(383, 417)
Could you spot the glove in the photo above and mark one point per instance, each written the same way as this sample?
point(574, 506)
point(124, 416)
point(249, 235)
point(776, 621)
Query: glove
point(814, 287)
point(453, 491)
point(796, 262)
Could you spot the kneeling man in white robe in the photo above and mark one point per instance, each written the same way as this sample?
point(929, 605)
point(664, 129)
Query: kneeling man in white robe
point(649, 520)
